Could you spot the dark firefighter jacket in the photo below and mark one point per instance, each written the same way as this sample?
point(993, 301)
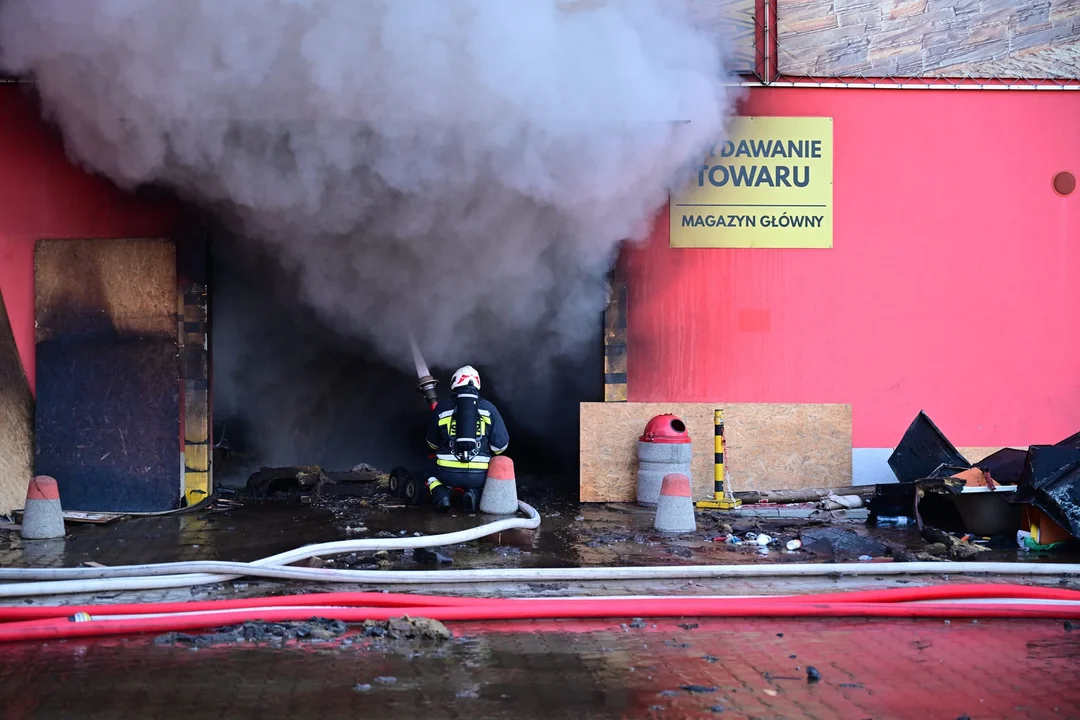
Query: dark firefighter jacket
point(494, 437)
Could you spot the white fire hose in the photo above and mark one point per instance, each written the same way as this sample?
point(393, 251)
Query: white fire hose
point(28, 582)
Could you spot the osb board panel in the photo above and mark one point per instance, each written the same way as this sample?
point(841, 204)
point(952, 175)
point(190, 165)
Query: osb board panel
point(16, 422)
point(122, 287)
point(769, 447)
point(107, 422)
point(911, 38)
point(787, 447)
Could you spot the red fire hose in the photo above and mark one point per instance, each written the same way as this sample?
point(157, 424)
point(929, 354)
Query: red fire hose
point(926, 602)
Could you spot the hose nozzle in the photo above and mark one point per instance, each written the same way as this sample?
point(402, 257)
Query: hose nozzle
point(426, 385)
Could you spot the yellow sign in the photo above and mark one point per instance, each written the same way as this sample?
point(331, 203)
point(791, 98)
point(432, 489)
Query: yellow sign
point(769, 186)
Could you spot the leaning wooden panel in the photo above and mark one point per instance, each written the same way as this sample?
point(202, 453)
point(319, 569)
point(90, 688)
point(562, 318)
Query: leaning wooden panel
point(609, 437)
point(16, 422)
point(107, 422)
point(85, 287)
point(787, 447)
point(769, 447)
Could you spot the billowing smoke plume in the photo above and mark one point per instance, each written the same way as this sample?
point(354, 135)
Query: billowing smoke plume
point(464, 169)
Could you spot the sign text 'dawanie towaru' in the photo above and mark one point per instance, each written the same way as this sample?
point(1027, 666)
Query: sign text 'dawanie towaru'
point(769, 186)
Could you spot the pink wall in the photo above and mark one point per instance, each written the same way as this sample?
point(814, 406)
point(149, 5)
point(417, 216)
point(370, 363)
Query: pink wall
point(42, 195)
point(953, 284)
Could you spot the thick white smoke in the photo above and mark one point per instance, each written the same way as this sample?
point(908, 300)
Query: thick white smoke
point(464, 169)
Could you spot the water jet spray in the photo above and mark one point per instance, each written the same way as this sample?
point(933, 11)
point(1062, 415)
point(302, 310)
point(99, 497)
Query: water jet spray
point(426, 383)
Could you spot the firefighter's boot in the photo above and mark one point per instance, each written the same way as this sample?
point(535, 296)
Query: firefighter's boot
point(440, 495)
point(470, 501)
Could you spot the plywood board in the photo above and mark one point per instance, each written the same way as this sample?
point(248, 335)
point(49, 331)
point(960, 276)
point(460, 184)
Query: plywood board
point(87, 287)
point(16, 422)
point(769, 446)
point(107, 422)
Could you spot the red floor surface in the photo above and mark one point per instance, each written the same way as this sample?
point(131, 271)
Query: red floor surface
point(741, 669)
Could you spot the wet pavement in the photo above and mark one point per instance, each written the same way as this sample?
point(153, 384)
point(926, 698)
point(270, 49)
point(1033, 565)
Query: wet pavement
point(570, 535)
point(666, 669)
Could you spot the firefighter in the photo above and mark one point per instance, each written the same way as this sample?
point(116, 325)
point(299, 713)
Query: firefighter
point(464, 434)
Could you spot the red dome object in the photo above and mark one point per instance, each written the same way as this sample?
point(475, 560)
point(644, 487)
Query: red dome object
point(668, 429)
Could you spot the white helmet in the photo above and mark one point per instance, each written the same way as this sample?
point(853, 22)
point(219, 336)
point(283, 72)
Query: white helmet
point(465, 376)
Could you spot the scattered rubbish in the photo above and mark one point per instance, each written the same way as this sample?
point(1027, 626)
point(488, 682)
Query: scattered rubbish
point(1069, 627)
point(851, 685)
point(957, 548)
point(1051, 483)
point(688, 626)
point(717, 709)
point(1027, 542)
point(426, 556)
point(812, 674)
point(770, 677)
point(751, 537)
point(987, 510)
point(698, 689)
point(841, 502)
point(865, 558)
point(406, 628)
point(922, 451)
point(892, 521)
point(763, 539)
point(386, 680)
point(712, 659)
point(668, 693)
point(770, 692)
point(314, 630)
point(840, 543)
point(92, 518)
point(762, 550)
point(733, 540)
point(794, 544)
point(637, 623)
point(361, 687)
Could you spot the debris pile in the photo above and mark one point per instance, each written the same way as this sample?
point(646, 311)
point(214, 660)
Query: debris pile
point(308, 480)
point(1031, 494)
point(260, 633)
point(406, 628)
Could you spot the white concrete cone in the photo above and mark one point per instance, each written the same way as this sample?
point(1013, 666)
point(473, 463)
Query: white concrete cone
point(675, 508)
point(500, 488)
point(43, 517)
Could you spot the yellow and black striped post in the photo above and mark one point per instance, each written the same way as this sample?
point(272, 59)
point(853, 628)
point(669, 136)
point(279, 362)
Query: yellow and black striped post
point(722, 498)
point(718, 467)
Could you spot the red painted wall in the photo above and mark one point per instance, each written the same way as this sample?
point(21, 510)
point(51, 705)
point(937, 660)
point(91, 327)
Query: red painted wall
point(953, 284)
point(43, 195)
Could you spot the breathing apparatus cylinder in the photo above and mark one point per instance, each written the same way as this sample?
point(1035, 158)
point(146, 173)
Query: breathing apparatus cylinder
point(466, 440)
